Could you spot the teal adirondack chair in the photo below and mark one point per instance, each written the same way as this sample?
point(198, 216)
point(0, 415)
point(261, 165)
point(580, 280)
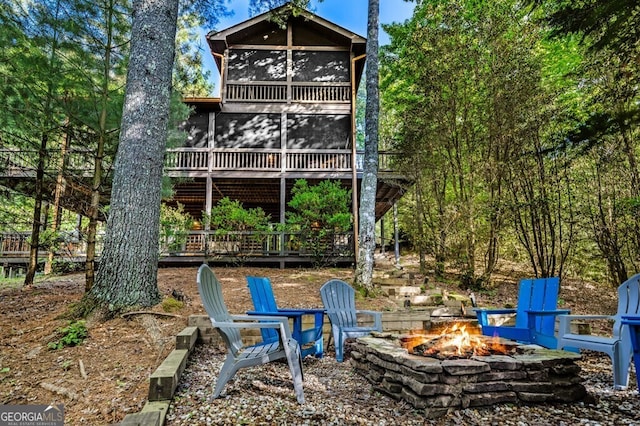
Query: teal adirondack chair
point(619, 346)
point(339, 300)
point(229, 326)
point(535, 314)
point(264, 303)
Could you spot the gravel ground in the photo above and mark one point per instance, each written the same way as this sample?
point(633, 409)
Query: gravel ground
point(336, 395)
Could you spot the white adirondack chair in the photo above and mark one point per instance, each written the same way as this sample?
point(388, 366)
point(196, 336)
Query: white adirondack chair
point(229, 326)
point(618, 347)
point(339, 301)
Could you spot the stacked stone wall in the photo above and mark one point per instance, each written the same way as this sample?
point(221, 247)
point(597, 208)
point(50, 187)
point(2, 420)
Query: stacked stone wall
point(437, 387)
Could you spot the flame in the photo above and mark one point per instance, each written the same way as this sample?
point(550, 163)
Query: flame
point(456, 341)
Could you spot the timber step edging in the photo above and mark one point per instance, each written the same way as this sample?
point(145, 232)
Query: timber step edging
point(164, 381)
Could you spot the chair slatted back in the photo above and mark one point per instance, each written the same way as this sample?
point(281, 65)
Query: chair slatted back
point(262, 294)
point(628, 301)
point(537, 294)
point(339, 300)
point(210, 291)
point(263, 301)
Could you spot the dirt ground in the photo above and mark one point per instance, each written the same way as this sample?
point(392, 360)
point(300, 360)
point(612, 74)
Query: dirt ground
point(106, 377)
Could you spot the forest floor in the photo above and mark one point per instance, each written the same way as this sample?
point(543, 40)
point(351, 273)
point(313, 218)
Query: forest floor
point(107, 376)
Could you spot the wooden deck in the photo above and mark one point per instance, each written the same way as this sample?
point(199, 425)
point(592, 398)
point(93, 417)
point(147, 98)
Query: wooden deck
point(195, 161)
point(276, 248)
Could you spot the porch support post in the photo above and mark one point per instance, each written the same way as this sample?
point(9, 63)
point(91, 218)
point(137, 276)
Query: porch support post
point(382, 235)
point(208, 205)
point(396, 243)
point(283, 191)
point(283, 183)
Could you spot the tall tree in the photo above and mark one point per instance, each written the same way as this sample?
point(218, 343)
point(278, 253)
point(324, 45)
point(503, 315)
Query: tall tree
point(368, 187)
point(127, 272)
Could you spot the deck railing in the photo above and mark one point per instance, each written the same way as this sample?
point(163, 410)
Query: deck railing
point(179, 160)
point(68, 244)
point(278, 92)
point(14, 162)
point(210, 244)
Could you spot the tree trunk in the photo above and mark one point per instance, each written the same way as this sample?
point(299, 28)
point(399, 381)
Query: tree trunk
point(368, 189)
point(97, 171)
point(422, 252)
point(127, 271)
point(57, 210)
point(37, 213)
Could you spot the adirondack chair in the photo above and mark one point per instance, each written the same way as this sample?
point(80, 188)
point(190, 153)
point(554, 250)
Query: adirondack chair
point(229, 326)
point(339, 301)
point(534, 316)
point(264, 303)
point(618, 347)
point(633, 322)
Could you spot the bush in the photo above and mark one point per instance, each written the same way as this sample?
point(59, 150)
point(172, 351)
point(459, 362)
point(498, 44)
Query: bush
point(71, 335)
point(318, 213)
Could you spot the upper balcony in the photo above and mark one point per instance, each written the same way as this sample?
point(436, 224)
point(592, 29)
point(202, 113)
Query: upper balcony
point(315, 93)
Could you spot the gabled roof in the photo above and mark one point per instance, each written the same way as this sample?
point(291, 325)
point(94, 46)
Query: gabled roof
point(262, 24)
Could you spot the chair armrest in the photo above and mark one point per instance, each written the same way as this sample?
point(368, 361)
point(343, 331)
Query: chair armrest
point(249, 321)
point(564, 325)
point(288, 314)
point(222, 324)
point(548, 313)
point(260, 317)
point(304, 311)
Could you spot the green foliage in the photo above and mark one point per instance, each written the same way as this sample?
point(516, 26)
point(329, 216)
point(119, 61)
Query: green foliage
point(175, 225)
point(71, 335)
point(171, 305)
point(62, 266)
point(324, 206)
point(244, 230)
point(14, 210)
point(318, 212)
point(189, 77)
point(230, 216)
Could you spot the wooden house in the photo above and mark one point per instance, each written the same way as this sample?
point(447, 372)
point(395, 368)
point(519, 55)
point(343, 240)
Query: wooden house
point(286, 111)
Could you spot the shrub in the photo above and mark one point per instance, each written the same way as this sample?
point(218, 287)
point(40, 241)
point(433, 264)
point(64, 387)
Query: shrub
point(71, 335)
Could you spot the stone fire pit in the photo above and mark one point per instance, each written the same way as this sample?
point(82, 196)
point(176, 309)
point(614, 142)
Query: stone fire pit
point(535, 375)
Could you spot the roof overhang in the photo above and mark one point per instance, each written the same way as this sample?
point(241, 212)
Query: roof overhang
point(221, 40)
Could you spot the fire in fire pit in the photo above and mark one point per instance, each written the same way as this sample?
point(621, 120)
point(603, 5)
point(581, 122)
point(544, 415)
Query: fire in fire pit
point(455, 342)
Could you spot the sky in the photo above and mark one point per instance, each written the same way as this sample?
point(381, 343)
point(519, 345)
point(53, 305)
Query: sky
point(349, 14)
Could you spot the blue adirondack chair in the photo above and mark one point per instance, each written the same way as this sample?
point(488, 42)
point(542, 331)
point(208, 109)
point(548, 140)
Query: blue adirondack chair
point(238, 354)
point(264, 303)
point(339, 300)
point(633, 322)
point(535, 314)
point(618, 347)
